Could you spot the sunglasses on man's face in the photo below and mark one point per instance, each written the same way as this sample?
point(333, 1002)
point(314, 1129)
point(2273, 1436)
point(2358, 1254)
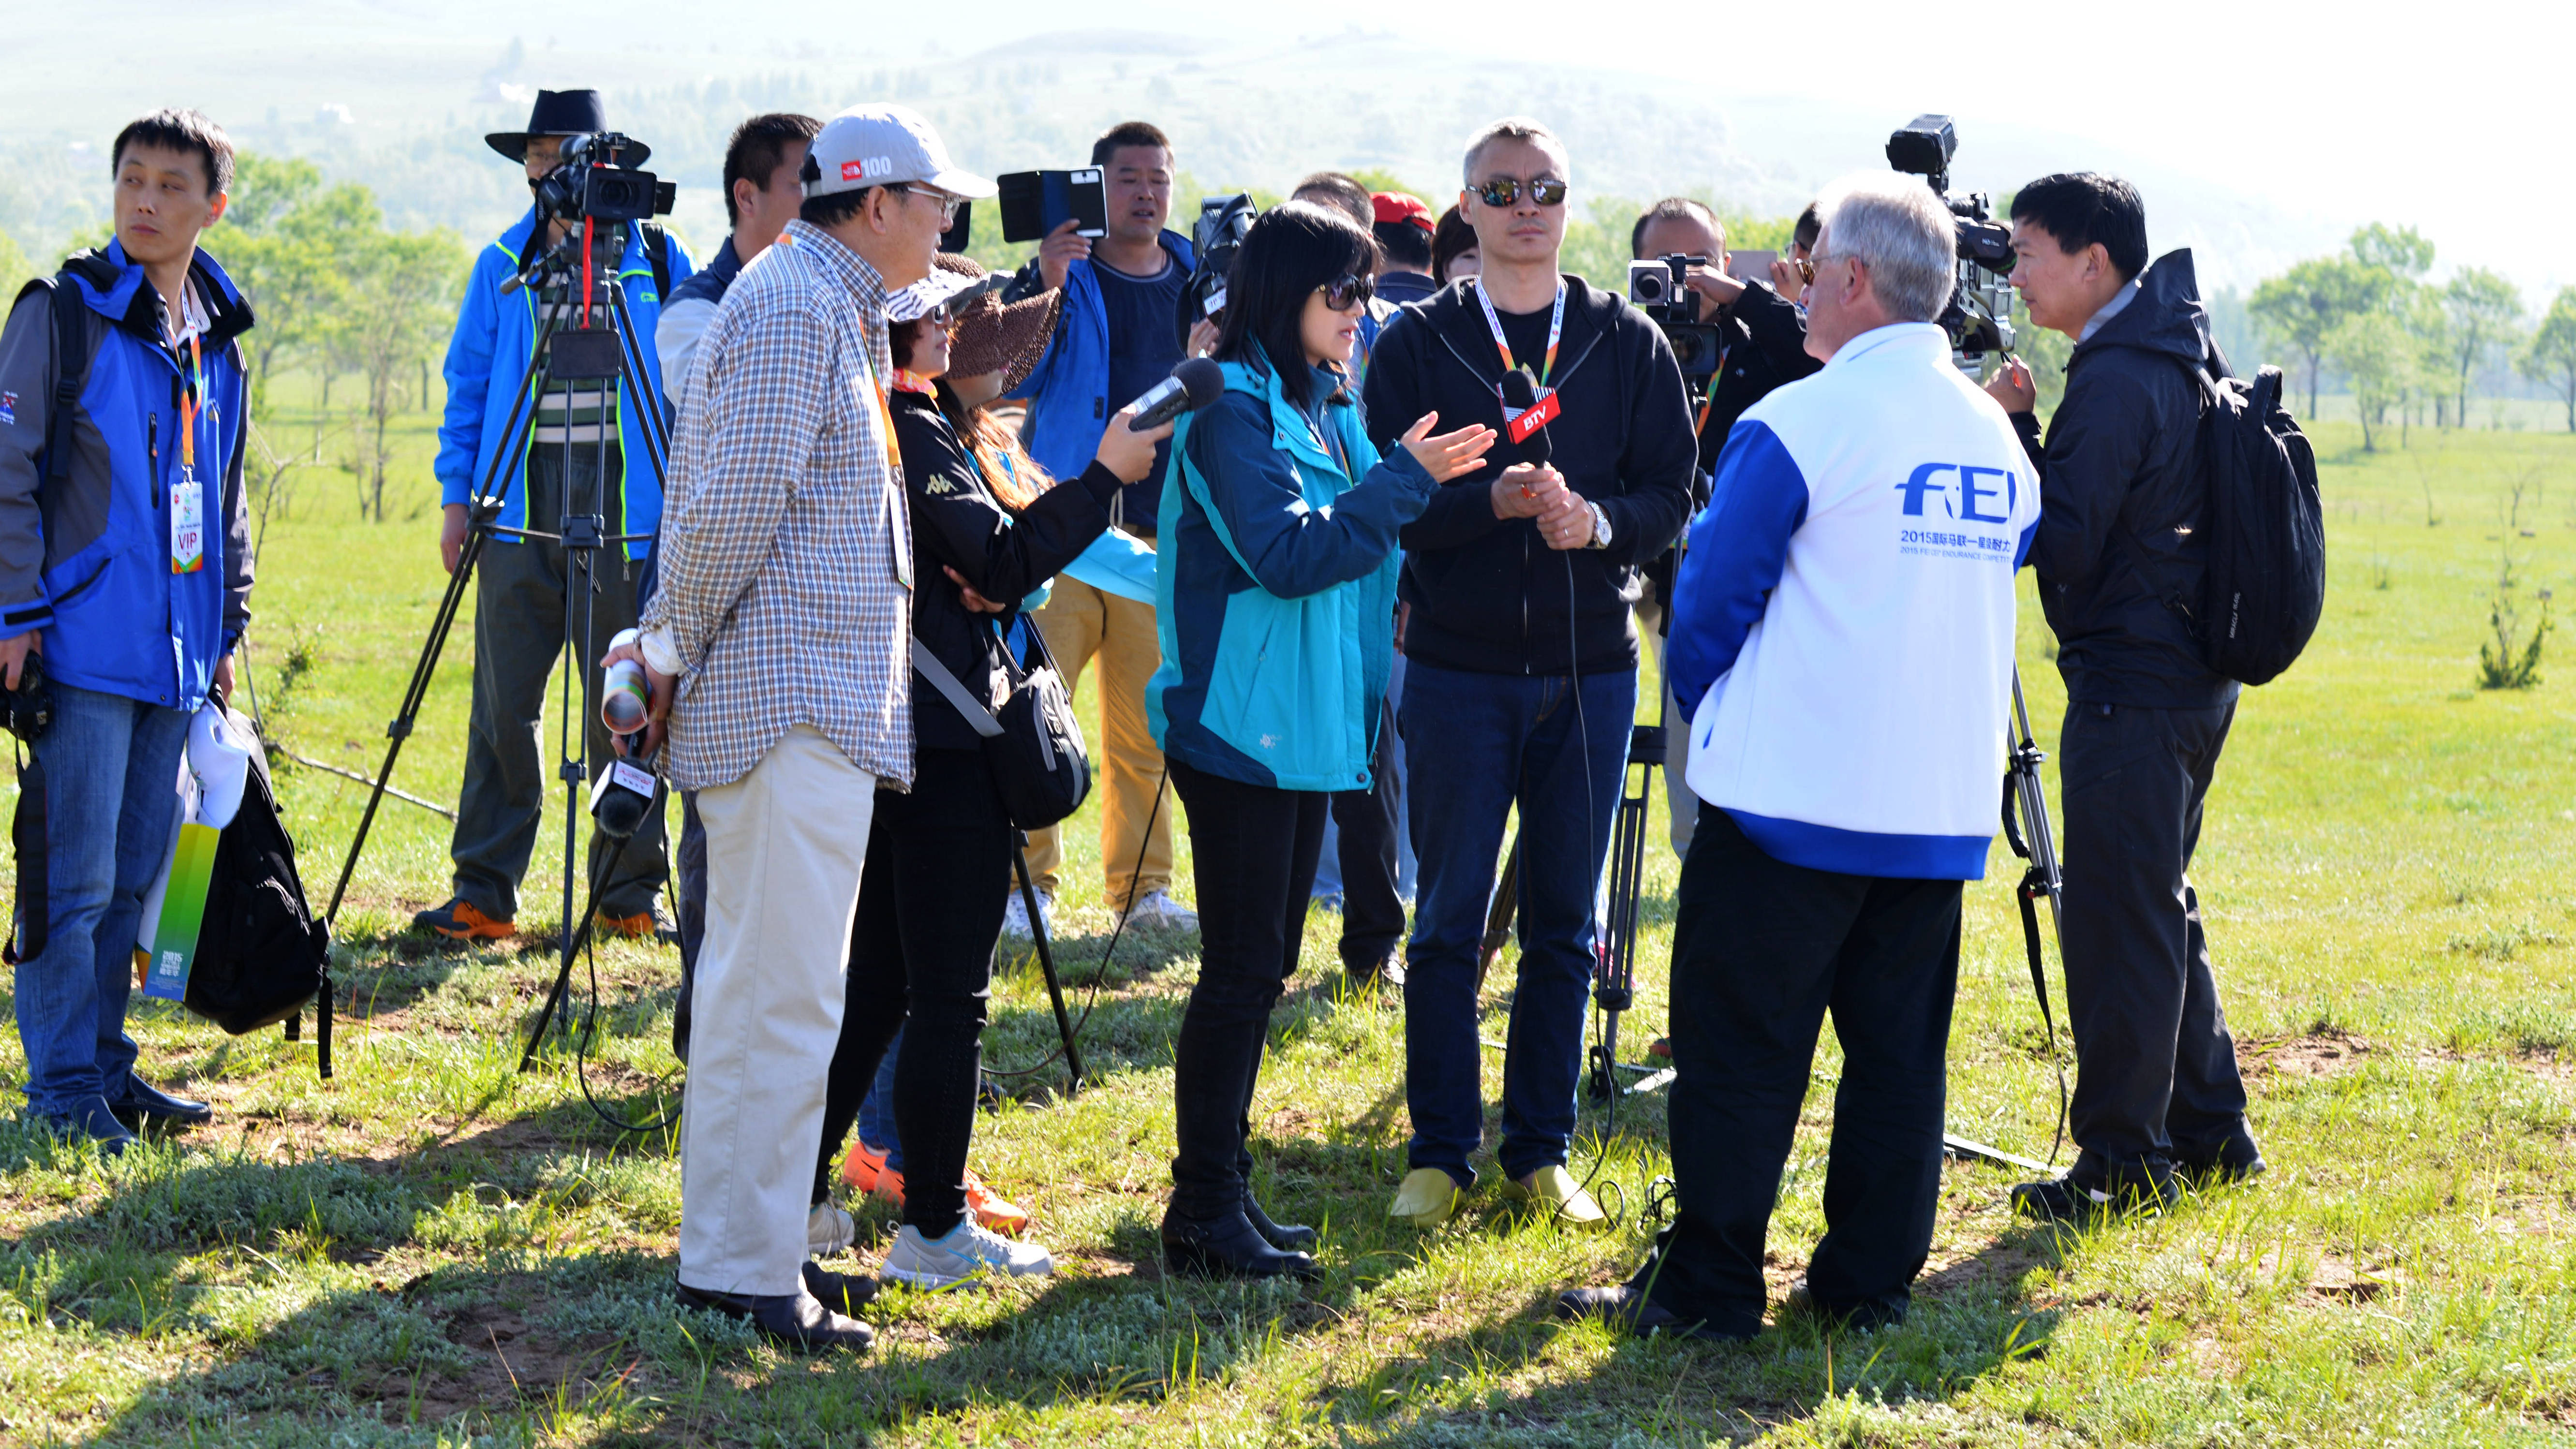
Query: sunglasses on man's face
point(1806, 269)
point(1503, 191)
point(1345, 292)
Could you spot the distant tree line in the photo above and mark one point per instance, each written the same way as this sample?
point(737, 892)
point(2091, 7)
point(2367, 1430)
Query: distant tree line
point(2405, 345)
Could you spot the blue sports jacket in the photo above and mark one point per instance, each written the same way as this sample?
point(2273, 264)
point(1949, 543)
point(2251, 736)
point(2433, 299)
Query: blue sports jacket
point(495, 336)
point(89, 560)
point(1068, 391)
point(1275, 586)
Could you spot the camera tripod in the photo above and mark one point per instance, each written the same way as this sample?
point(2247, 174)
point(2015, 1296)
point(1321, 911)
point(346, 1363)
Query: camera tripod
point(600, 349)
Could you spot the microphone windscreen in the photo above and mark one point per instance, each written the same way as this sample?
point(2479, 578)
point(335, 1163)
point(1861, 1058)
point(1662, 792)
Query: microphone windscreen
point(1202, 378)
point(1519, 390)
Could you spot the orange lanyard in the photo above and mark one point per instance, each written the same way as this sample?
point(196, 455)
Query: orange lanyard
point(191, 402)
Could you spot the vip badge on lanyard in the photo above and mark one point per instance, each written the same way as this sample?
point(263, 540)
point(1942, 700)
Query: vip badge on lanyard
point(187, 495)
point(1545, 409)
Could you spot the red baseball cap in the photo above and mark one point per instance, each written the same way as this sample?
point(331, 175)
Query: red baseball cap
point(1396, 206)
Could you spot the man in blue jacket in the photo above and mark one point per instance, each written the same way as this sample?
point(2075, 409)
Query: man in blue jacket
point(584, 443)
point(125, 564)
point(1116, 335)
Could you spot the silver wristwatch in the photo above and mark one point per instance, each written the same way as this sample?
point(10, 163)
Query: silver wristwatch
point(1600, 527)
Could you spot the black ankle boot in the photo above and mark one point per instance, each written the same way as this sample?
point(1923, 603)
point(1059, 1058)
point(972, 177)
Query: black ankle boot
point(1227, 1247)
point(1286, 1237)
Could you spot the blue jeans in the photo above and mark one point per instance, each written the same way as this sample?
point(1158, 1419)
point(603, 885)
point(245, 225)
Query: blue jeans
point(1503, 739)
point(876, 1111)
point(111, 794)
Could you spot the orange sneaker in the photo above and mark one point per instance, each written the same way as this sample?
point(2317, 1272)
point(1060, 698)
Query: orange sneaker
point(461, 920)
point(888, 1188)
point(638, 927)
point(1661, 1046)
point(860, 1168)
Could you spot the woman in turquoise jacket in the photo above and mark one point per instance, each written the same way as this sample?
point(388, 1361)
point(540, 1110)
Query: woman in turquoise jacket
point(1274, 587)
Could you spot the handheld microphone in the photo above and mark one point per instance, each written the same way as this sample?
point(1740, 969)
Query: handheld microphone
point(1194, 384)
point(1520, 393)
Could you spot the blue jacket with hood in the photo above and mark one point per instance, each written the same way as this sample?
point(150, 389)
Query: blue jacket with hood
point(495, 335)
point(88, 560)
point(1068, 391)
point(1275, 585)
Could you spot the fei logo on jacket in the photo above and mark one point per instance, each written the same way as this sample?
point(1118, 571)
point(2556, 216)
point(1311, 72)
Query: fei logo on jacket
point(1965, 493)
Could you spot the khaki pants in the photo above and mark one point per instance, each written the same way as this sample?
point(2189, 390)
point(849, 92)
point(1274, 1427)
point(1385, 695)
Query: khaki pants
point(1081, 623)
point(784, 847)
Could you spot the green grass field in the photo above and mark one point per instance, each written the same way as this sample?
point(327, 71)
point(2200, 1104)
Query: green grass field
point(434, 1248)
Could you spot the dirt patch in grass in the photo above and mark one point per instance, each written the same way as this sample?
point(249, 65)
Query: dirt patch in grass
point(512, 1359)
point(2321, 1054)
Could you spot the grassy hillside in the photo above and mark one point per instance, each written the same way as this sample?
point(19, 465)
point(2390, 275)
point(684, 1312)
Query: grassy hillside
point(433, 1248)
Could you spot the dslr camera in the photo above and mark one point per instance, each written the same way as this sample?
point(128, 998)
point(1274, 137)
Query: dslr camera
point(597, 180)
point(1660, 288)
point(1979, 317)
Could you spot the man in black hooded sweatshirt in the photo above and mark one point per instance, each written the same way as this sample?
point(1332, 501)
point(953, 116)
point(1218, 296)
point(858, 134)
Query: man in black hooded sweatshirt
point(2157, 1097)
point(1520, 664)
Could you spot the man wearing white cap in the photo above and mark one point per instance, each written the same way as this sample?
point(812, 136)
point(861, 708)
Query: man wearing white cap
point(778, 652)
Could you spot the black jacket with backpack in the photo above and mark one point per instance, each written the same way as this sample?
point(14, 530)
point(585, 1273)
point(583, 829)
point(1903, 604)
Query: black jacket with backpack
point(2121, 550)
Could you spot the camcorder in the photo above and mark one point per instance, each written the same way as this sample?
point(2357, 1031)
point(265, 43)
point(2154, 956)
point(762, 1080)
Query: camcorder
point(1660, 288)
point(1214, 239)
point(594, 180)
point(1978, 318)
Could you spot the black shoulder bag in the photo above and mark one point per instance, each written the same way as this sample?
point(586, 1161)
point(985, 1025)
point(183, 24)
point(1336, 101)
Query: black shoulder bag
point(1031, 740)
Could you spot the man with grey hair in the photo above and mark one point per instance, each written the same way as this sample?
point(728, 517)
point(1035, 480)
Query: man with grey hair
point(1520, 660)
point(1842, 637)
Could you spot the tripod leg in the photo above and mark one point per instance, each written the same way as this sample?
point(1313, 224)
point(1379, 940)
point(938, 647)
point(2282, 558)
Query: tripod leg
point(1046, 959)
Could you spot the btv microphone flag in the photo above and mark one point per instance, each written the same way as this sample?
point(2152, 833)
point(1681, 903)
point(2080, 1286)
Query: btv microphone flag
point(1534, 417)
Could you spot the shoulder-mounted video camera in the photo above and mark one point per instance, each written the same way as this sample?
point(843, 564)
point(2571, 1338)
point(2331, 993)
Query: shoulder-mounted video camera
point(1978, 318)
point(1660, 288)
point(596, 179)
point(1214, 239)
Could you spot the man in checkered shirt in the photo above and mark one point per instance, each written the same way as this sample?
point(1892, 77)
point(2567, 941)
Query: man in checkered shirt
point(778, 649)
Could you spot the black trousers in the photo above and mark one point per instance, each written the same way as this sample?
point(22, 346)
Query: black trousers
point(1761, 951)
point(1253, 849)
point(1372, 910)
point(921, 949)
point(690, 875)
point(2156, 1077)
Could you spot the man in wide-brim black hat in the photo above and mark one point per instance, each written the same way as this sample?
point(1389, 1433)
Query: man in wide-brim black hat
point(587, 442)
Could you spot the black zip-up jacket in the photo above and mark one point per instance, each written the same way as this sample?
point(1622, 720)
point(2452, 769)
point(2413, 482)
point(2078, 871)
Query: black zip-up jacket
point(2118, 553)
point(959, 524)
point(1488, 594)
point(1766, 347)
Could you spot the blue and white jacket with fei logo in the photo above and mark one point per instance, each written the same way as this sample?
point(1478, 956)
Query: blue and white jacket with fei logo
point(1842, 634)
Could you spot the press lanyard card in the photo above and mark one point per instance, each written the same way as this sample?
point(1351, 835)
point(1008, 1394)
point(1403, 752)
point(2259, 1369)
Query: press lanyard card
point(183, 913)
point(187, 523)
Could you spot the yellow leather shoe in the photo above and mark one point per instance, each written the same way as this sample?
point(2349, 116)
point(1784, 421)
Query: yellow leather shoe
point(1558, 1197)
point(1427, 1198)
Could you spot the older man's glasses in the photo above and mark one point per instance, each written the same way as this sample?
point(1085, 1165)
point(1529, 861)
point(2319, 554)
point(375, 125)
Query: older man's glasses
point(1504, 190)
point(947, 204)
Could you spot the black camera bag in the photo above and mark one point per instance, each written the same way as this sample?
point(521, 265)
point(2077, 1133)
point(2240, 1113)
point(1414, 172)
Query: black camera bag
point(1032, 742)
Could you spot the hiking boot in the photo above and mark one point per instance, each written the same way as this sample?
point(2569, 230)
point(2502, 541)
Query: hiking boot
point(966, 1252)
point(1556, 1195)
point(462, 920)
point(1426, 1198)
point(645, 925)
point(1630, 1311)
point(1157, 911)
point(2085, 1201)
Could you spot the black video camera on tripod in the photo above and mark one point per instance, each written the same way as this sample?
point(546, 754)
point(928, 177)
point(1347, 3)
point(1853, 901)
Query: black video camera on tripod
point(596, 179)
point(1978, 318)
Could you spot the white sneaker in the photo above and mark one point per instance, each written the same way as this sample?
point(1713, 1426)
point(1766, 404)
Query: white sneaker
point(828, 1230)
point(1015, 916)
point(969, 1251)
point(1157, 909)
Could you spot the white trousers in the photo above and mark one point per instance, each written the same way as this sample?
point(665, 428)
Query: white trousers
point(784, 847)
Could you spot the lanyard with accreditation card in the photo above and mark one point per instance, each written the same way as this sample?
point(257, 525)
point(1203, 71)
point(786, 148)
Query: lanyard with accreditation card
point(188, 495)
point(1519, 423)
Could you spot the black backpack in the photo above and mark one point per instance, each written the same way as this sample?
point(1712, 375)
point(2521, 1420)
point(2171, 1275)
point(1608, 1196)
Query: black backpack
point(261, 956)
point(2266, 583)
